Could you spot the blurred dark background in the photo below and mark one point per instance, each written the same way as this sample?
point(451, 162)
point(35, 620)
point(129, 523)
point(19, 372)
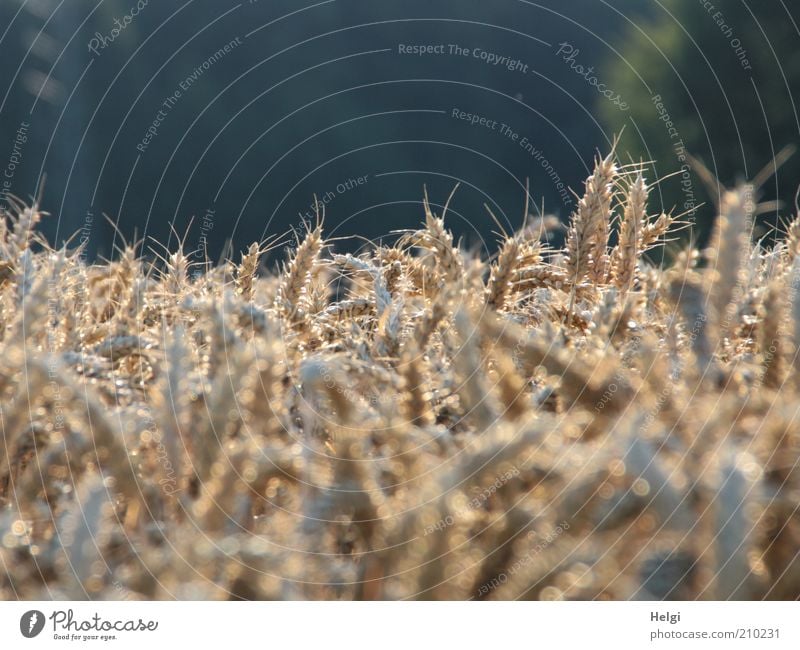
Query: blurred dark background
point(233, 116)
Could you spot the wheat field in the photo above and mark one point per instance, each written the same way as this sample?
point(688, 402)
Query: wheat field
point(412, 421)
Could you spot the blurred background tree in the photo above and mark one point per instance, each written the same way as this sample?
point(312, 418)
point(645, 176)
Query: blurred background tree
point(727, 74)
point(314, 94)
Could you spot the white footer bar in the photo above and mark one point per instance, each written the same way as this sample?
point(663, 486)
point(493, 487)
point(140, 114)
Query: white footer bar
point(386, 626)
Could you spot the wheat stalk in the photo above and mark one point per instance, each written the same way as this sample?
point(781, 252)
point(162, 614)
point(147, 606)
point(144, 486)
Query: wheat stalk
point(414, 421)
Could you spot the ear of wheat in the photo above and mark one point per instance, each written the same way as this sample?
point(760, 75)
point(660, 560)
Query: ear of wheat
point(412, 422)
